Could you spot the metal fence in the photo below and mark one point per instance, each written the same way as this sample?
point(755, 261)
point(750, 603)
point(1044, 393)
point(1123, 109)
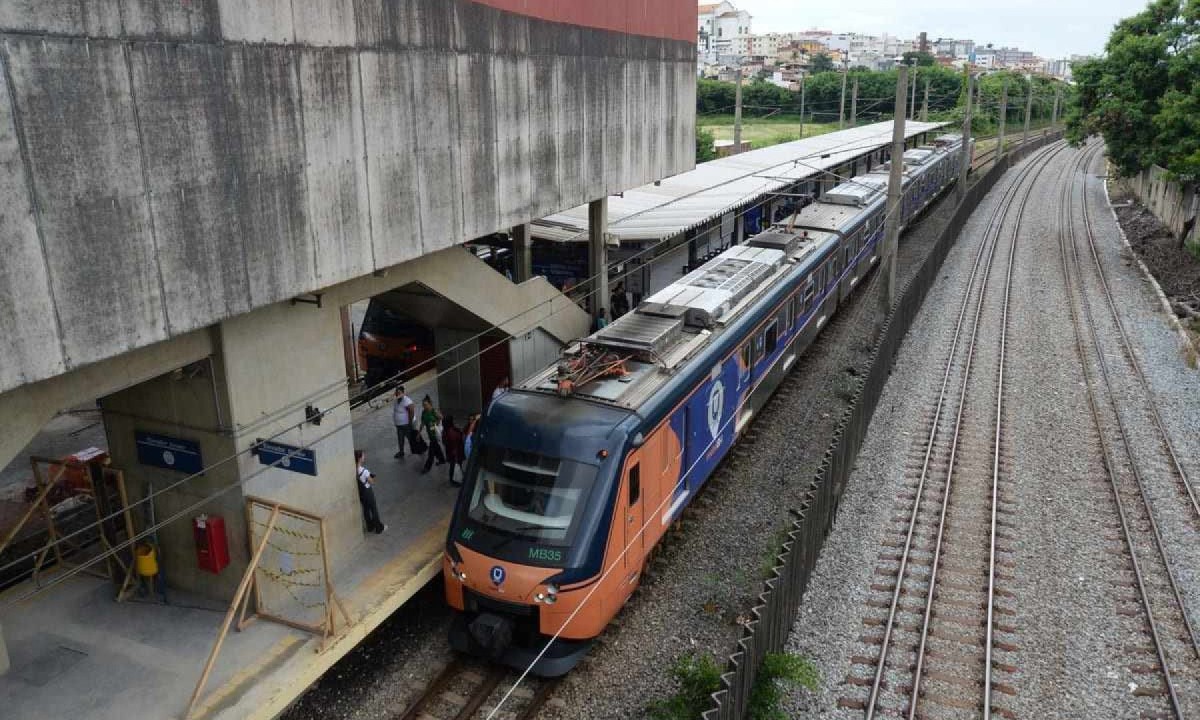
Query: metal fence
point(772, 618)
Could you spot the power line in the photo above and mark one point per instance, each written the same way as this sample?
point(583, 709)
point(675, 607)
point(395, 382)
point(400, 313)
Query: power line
point(241, 481)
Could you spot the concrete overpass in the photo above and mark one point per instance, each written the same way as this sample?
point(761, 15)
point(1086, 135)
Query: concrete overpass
point(174, 175)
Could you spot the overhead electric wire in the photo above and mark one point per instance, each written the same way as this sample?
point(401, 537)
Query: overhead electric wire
point(311, 444)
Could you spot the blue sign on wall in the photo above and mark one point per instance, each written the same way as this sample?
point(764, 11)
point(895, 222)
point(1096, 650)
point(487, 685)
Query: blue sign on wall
point(288, 457)
point(168, 452)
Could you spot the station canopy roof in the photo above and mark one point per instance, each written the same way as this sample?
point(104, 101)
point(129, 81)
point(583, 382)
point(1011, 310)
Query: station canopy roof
point(717, 187)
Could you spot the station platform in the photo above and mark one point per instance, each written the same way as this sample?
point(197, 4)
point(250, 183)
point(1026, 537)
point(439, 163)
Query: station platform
point(75, 652)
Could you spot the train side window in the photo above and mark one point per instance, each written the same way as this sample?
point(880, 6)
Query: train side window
point(746, 355)
point(772, 337)
point(635, 484)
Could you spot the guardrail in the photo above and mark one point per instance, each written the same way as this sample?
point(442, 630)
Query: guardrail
point(773, 616)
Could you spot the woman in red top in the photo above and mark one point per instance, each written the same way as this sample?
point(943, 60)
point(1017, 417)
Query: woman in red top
point(452, 438)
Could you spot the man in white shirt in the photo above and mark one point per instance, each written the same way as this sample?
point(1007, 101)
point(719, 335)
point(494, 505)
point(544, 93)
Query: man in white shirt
point(403, 413)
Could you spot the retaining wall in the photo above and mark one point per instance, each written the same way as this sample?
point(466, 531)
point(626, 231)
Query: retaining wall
point(1175, 204)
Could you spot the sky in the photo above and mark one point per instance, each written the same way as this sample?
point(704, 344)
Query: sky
point(1050, 28)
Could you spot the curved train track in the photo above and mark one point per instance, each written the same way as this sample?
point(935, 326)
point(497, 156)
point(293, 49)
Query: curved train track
point(1167, 622)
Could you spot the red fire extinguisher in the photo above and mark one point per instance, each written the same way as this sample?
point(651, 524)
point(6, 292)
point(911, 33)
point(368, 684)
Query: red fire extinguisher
point(212, 548)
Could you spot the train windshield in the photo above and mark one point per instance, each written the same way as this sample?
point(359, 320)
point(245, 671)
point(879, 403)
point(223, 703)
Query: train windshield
point(531, 496)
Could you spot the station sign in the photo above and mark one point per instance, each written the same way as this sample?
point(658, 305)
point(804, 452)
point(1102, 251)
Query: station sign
point(168, 452)
point(288, 457)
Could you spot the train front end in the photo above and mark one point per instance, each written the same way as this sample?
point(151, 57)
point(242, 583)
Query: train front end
point(524, 556)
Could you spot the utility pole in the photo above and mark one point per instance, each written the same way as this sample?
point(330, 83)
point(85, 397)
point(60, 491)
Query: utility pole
point(1003, 113)
point(737, 114)
point(925, 104)
point(1028, 113)
point(912, 103)
point(1057, 95)
point(842, 108)
point(895, 193)
point(802, 107)
point(965, 165)
point(854, 104)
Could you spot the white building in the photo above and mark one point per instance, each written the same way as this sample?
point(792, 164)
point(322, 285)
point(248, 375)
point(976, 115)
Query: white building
point(718, 25)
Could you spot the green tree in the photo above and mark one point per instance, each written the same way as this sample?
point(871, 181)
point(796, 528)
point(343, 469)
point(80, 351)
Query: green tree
point(923, 59)
point(704, 145)
point(1143, 95)
point(821, 62)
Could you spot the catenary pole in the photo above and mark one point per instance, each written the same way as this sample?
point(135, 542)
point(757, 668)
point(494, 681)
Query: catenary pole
point(1057, 95)
point(1028, 113)
point(965, 164)
point(842, 107)
point(1003, 113)
point(925, 104)
point(737, 114)
point(801, 106)
point(895, 193)
point(912, 103)
point(854, 104)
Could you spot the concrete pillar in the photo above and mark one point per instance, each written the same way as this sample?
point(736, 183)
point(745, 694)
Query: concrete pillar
point(458, 381)
point(598, 254)
point(268, 366)
point(522, 253)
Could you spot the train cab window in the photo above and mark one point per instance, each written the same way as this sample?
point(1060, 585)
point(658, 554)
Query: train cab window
point(771, 337)
point(635, 484)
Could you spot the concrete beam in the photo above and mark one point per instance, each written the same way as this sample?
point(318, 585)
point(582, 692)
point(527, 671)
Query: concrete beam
point(164, 169)
point(25, 410)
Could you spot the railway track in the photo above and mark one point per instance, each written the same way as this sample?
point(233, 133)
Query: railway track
point(467, 690)
point(1131, 467)
point(938, 611)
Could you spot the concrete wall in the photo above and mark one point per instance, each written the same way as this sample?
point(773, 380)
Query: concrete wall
point(1173, 203)
point(267, 366)
point(165, 166)
point(530, 353)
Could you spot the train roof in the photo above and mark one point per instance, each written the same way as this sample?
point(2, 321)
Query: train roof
point(668, 331)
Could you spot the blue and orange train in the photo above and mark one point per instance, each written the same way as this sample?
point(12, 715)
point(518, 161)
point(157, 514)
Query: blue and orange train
point(577, 473)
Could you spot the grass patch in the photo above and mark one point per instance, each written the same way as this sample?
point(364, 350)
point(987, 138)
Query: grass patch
point(763, 132)
point(780, 670)
point(698, 677)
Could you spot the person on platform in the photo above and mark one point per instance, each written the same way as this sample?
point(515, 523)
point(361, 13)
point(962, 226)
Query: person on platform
point(469, 435)
point(431, 421)
point(454, 441)
point(366, 495)
point(403, 414)
point(501, 388)
point(619, 302)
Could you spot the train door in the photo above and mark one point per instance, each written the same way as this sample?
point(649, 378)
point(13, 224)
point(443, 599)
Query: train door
point(633, 513)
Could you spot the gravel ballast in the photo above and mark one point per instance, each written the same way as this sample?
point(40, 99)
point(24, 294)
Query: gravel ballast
point(709, 572)
point(1079, 627)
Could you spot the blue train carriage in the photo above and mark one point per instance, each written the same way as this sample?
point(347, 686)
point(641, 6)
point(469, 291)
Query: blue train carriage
point(576, 474)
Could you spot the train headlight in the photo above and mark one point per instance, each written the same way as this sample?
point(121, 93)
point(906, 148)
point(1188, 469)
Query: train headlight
point(462, 576)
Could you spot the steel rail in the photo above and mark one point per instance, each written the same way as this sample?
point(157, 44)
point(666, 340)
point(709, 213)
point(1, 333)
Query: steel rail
point(1127, 348)
point(1066, 231)
point(1090, 236)
point(919, 670)
point(1158, 540)
point(941, 401)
